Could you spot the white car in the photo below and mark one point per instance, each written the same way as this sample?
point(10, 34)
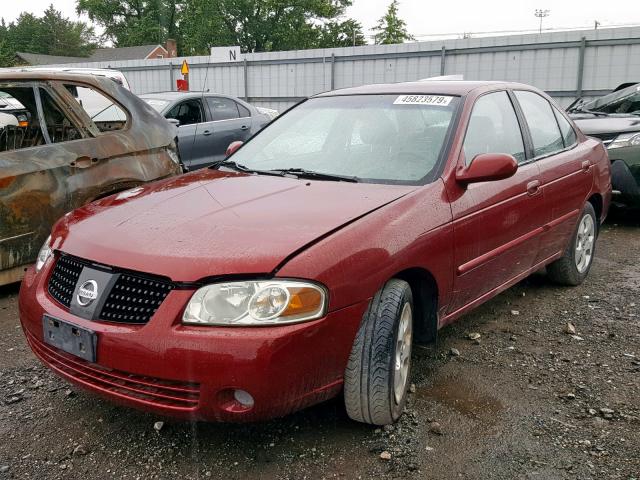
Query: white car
point(114, 75)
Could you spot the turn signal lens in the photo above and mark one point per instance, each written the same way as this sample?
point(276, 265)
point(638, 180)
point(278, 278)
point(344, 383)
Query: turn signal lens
point(44, 254)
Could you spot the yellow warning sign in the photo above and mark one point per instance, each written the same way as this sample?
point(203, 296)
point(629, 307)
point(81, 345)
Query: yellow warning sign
point(184, 70)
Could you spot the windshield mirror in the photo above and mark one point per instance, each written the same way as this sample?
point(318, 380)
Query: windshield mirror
point(376, 138)
point(626, 100)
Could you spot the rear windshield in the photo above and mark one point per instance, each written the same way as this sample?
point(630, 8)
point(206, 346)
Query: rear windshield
point(626, 101)
point(377, 138)
point(157, 104)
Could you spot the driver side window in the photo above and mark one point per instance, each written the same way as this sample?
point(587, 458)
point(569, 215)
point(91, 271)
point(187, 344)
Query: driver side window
point(187, 112)
point(493, 128)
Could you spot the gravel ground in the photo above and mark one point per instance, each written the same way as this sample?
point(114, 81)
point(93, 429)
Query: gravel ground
point(510, 391)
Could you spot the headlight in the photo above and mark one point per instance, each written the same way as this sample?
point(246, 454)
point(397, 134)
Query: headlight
point(44, 254)
point(626, 140)
point(268, 302)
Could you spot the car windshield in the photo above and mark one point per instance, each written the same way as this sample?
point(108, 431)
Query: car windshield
point(626, 100)
point(376, 138)
point(157, 104)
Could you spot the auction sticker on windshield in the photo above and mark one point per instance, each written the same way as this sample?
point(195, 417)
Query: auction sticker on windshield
point(439, 100)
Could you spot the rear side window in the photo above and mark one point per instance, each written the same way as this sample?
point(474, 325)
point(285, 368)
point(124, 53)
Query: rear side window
point(568, 133)
point(543, 126)
point(244, 111)
point(222, 108)
point(493, 128)
point(103, 111)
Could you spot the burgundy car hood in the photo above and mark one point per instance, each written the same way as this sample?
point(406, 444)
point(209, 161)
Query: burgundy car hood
point(209, 223)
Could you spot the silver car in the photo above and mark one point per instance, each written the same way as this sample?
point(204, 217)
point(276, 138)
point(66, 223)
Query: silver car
point(207, 123)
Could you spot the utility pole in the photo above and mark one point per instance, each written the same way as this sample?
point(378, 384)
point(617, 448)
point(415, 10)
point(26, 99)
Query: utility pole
point(541, 14)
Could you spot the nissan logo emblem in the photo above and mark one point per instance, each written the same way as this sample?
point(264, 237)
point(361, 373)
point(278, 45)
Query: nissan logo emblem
point(87, 293)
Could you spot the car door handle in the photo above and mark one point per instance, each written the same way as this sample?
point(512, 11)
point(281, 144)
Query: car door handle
point(84, 162)
point(533, 188)
point(586, 166)
point(206, 133)
point(244, 127)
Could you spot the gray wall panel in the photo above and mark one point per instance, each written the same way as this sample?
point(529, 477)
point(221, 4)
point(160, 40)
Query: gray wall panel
point(549, 61)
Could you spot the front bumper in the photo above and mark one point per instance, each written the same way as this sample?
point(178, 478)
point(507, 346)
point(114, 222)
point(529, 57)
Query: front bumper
point(191, 372)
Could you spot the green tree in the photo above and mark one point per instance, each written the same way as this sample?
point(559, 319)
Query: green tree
point(61, 36)
point(135, 22)
point(391, 28)
point(7, 53)
point(198, 25)
point(346, 33)
point(266, 25)
point(51, 34)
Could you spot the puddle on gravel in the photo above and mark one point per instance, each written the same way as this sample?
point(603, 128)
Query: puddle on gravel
point(464, 397)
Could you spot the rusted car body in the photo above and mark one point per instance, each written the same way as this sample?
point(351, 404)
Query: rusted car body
point(63, 158)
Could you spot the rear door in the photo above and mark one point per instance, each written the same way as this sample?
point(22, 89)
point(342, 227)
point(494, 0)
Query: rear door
point(231, 122)
point(566, 173)
point(497, 224)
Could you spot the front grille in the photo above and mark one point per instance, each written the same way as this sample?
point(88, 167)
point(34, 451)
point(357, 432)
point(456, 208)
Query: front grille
point(177, 396)
point(134, 298)
point(64, 278)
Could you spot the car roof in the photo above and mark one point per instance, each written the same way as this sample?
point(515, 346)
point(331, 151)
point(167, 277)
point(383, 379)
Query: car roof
point(441, 87)
point(40, 75)
point(171, 95)
point(64, 69)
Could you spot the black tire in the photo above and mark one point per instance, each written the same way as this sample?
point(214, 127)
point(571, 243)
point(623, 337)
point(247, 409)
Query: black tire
point(564, 271)
point(369, 393)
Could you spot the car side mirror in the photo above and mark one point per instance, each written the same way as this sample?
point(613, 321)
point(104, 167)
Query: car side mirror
point(488, 167)
point(174, 121)
point(231, 149)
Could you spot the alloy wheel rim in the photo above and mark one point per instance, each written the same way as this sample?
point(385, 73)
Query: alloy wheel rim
point(403, 353)
point(584, 243)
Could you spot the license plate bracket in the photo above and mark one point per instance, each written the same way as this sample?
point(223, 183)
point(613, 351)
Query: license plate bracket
point(70, 338)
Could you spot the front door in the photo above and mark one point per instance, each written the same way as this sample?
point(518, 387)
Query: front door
point(497, 224)
point(195, 132)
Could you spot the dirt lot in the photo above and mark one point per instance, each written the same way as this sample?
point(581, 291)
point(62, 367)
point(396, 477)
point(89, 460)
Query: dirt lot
point(524, 401)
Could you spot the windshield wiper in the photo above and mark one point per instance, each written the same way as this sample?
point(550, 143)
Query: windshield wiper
point(230, 164)
point(303, 173)
point(242, 168)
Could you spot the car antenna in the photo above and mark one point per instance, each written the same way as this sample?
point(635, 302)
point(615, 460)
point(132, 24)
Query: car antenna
point(204, 86)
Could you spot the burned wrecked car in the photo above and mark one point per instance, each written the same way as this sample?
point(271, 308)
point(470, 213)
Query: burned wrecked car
point(66, 140)
point(615, 119)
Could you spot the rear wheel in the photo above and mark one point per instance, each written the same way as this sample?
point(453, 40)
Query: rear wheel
point(572, 268)
point(377, 375)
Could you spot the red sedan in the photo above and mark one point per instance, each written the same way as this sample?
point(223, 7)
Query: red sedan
point(307, 263)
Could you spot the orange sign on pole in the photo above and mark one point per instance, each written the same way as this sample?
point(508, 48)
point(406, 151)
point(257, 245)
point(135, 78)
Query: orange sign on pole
point(183, 85)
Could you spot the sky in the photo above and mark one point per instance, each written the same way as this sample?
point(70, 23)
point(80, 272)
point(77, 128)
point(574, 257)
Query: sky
point(427, 18)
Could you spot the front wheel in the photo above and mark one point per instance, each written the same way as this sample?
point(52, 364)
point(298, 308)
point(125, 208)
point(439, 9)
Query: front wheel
point(572, 268)
point(377, 375)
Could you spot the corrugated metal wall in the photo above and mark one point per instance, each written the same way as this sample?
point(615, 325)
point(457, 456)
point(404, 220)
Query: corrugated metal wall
point(565, 64)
